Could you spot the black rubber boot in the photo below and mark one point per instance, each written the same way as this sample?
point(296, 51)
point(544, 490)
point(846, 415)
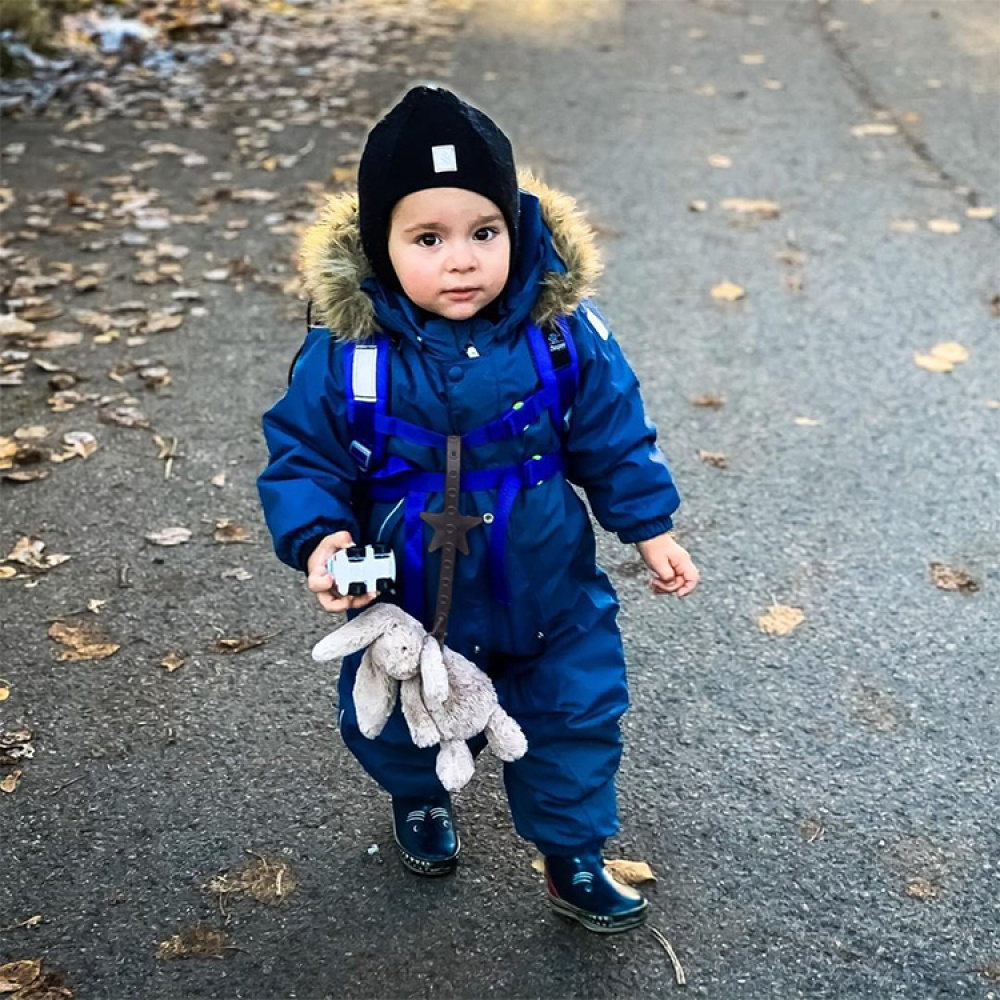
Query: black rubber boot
point(581, 889)
point(424, 830)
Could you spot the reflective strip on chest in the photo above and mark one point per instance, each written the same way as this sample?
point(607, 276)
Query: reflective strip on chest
point(363, 380)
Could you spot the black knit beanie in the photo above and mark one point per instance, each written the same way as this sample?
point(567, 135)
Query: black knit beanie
point(431, 138)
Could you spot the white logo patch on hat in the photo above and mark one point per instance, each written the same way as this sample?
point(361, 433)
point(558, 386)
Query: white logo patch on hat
point(445, 160)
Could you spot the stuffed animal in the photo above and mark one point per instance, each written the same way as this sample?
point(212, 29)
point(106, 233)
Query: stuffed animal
point(446, 699)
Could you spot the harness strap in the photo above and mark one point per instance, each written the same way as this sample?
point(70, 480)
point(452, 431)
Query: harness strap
point(366, 383)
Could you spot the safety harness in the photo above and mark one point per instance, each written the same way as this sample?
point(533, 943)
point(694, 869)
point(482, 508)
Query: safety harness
point(392, 479)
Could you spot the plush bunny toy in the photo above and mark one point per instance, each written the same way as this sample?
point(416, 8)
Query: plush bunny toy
point(446, 698)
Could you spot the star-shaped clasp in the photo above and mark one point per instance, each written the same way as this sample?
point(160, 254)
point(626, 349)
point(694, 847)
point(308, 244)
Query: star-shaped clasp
point(450, 526)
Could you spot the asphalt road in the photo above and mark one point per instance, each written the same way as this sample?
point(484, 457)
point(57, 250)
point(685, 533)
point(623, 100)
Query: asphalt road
point(821, 807)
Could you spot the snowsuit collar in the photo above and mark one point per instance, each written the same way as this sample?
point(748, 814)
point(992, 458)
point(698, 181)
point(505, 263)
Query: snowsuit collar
point(555, 268)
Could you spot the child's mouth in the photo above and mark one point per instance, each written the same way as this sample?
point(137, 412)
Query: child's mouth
point(461, 294)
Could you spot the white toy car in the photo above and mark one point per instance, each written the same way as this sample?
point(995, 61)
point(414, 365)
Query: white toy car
point(362, 569)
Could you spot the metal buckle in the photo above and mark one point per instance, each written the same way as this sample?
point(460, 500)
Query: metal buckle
point(360, 454)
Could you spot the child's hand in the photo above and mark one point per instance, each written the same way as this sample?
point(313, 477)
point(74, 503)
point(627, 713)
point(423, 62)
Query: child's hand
point(674, 570)
point(321, 583)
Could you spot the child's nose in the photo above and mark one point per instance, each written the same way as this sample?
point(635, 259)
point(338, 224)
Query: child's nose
point(461, 258)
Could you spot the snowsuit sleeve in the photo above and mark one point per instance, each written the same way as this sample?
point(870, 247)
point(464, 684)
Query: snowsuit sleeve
point(611, 445)
point(306, 488)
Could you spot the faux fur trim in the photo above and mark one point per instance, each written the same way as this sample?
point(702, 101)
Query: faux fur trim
point(333, 263)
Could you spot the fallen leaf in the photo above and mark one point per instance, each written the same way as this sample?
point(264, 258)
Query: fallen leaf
point(254, 195)
point(26, 475)
point(904, 225)
point(811, 830)
point(780, 619)
point(716, 459)
point(219, 480)
point(197, 941)
point(629, 872)
point(920, 888)
point(950, 350)
point(171, 662)
point(236, 574)
point(807, 422)
point(946, 226)
point(728, 292)
point(706, 90)
point(81, 443)
point(57, 338)
point(265, 879)
point(753, 59)
point(240, 645)
point(719, 161)
point(159, 322)
point(12, 326)
point(874, 128)
point(4, 690)
point(698, 205)
point(227, 531)
point(980, 212)
point(9, 785)
point(709, 401)
point(17, 975)
point(6, 572)
point(949, 578)
point(752, 206)
point(169, 536)
point(29, 551)
point(774, 85)
point(33, 433)
point(993, 404)
point(123, 416)
point(932, 363)
point(217, 274)
point(83, 642)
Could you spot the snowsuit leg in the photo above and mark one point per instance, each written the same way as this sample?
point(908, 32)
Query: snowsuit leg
point(569, 702)
point(402, 769)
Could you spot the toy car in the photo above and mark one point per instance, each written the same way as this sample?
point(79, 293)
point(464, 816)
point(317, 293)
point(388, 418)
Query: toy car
point(362, 569)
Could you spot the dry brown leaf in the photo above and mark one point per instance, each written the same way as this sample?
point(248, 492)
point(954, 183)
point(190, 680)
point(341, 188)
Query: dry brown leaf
point(950, 350)
point(265, 879)
point(716, 459)
point(709, 401)
point(240, 645)
point(58, 338)
point(29, 552)
point(944, 226)
point(169, 536)
point(83, 642)
point(123, 416)
point(227, 532)
point(629, 872)
point(219, 481)
point(811, 830)
point(904, 225)
point(983, 212)
point(171, 662)
point(9, 785)
point(807, 422)
point(7, 572)
point(921, 888)
point(12, 326)
point(4, 690)
point(159, 322)
point(197, 941)
point(254, 195)
point(752, 206)
point(780, 619)
point(217, 274)
point(238, 573)
point(932, 363)
point(774, 85)
point(33, 433)
point(17, 975)
point(698, 205)
point(719, 161)
point(81, 443)
point(753, 59)
point(950, 578)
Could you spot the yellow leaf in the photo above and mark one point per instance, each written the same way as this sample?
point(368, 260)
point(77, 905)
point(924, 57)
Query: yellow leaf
point(753, 206)
point(719, 161)
point(932, 363)
point(950, 350)
point(874, 128)
point(945, 226)
point(17, 975)
point(698, 205)
point(980, 212)
point(780, 619)
point(82, 642)
point(807, 422)
point(6, 572)
point(728, 292)
point(538, 864)
point(774, 85)
point(8, 785)
point(4, 690)
point(629, 872)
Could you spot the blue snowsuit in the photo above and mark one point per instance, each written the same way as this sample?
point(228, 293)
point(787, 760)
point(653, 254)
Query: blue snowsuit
point(531, 608)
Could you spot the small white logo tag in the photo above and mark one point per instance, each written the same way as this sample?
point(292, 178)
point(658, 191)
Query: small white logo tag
point(444, 159)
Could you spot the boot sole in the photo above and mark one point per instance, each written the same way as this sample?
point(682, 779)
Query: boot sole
point(422, 866)
point(597, 924)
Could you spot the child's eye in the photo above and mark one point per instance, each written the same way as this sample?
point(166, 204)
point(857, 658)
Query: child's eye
point(489, 231)
point(427, 236)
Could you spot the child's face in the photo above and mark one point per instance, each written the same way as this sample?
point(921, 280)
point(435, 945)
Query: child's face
point(451, 250)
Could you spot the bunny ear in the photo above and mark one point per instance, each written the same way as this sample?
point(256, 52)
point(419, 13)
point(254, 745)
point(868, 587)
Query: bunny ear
point(356, 634)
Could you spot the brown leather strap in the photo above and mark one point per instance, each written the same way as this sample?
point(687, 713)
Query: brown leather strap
point(450, 529)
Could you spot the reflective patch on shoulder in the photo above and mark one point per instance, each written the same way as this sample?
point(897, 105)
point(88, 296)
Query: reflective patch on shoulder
point(596, 320)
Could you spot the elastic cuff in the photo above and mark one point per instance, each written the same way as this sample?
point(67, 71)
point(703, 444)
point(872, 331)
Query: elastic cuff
point(644, 532)
point(301, 545)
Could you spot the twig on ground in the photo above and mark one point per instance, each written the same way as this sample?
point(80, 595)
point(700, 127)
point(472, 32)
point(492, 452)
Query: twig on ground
point(675, 961)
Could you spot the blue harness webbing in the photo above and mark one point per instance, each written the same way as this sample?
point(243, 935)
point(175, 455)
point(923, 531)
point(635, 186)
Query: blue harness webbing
point(366, 380)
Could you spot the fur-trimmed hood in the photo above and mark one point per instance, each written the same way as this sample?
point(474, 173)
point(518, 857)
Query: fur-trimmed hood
point(334, 266)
